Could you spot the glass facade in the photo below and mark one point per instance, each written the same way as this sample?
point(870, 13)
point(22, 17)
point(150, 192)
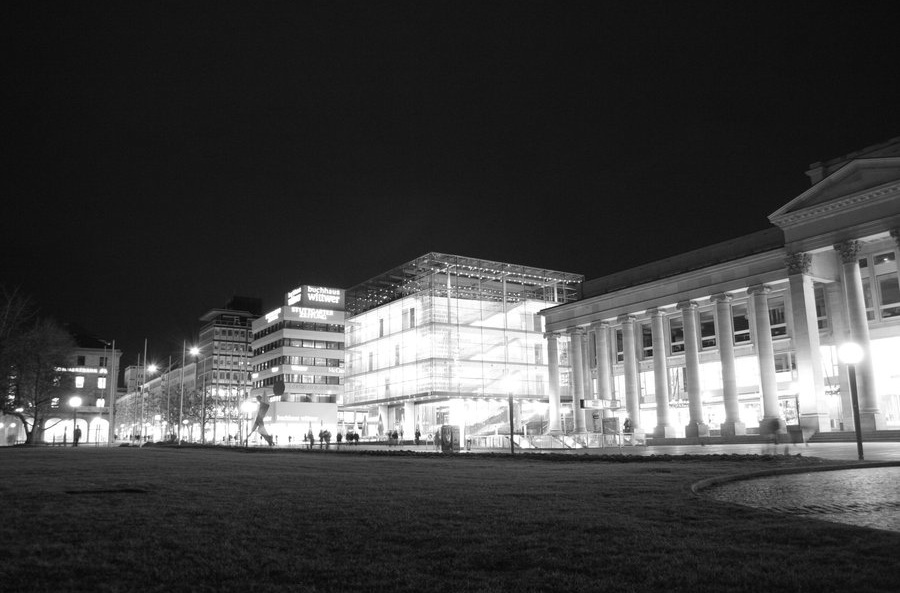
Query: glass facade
point(444, 328)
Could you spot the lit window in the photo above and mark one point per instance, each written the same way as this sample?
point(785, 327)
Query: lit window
point(777, 320)
point(79, 382)
point(741, 323)
point(676, 334)
point(707, 329)
point(101, 382)
point(821, 309)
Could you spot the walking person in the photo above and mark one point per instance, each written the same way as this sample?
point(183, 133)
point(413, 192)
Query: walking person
point(76, 436)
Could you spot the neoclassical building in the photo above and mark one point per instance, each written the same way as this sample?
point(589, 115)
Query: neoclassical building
point(717, 340)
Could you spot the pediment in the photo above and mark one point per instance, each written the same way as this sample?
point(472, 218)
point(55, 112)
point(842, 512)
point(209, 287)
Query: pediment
point(853, 186)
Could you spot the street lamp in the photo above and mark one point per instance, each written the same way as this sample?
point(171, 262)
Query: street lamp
point(248, 407)
point(195, 352)
point(74, 402)
point(851, 353)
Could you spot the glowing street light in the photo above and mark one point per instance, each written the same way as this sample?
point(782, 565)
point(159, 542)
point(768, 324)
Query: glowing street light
point(248, 407)
point(851, 354)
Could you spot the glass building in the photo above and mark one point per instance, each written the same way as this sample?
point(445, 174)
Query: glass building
point(444, 340)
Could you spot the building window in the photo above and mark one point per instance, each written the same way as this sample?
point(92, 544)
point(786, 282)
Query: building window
point(888, 284)
point(676, 334)
point(396, 354)
point(821, 309)
point(104, 361)
point(79, 382)
point(707, 329)
point(79, 360)
point(620, 345)
point(646, 341)
point(101, 382)
point(371, 361)
point(741, 321)
point(381, 328)
point(538, 354)
point(777, 320)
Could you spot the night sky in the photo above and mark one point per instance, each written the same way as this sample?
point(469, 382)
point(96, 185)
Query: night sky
point(168, 155)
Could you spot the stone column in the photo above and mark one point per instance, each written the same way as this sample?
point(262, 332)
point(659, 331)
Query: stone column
point(553, 379)
point(725, 341)
point(870, 416)
point(765, 353)
point(576, 360)
point(586, 366)
point(660, 374)
point(632, 386)
point(696, 426)
point(604, 369)
point(813, 406)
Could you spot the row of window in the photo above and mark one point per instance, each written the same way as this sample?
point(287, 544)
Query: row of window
point(80, 382)
point(300, 360)
point(294, 343)
point(102, 361)
point(304, 325)
point(299, 379)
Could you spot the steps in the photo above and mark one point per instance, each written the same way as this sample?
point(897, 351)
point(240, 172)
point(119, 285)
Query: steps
point(846, 436)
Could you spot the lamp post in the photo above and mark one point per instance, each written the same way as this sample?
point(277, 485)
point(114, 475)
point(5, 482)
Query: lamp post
point(194, 352)
point(248, 407)
point(74, 402)
point(851, 354)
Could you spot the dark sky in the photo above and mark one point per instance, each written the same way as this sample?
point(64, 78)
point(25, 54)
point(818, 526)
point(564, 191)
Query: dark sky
point(168, 155)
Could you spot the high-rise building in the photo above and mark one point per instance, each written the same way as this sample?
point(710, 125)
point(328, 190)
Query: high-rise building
point(298, 363)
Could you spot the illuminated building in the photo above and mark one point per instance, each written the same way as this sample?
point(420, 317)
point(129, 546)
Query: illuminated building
point(207, 392)
point(224, 364)
point(298, 363)
point(95, 364)
point(714, 341)
point(445, 339)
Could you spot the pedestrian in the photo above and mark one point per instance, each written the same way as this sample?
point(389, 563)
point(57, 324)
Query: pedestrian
point(310, 439)
point(76, 436)
point(418, 435)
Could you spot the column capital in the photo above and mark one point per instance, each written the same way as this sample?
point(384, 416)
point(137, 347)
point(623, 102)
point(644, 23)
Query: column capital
point(623, 319)
point(895, 233)
point(656, 312)
point(848, 250)
point(687, 306)
point(600, 325)
point(798, 263)
point(721, 297)
point(548, 335)
point(759, 289)
point(575, 331)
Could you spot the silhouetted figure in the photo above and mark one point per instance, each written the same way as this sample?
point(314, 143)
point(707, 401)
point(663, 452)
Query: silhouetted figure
point(76, 436)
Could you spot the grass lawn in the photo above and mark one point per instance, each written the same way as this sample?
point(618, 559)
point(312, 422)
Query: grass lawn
point(192, 519)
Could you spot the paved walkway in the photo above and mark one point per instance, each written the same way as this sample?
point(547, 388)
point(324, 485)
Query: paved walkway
point(869, 497)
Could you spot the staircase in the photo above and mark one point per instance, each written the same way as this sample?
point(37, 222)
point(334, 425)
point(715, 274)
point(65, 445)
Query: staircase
point(846, 436)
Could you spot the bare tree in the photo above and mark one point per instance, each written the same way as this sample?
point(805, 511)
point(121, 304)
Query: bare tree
point(34, 354)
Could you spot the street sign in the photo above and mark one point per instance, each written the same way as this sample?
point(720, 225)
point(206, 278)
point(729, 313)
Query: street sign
point(599, 404)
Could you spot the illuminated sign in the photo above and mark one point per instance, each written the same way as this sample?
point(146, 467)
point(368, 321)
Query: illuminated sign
point(307, 313)
point(320, 294)
point(316, 296)
point(294, 296)
point(337, 370)
point(270, 317)
point(85, 370)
